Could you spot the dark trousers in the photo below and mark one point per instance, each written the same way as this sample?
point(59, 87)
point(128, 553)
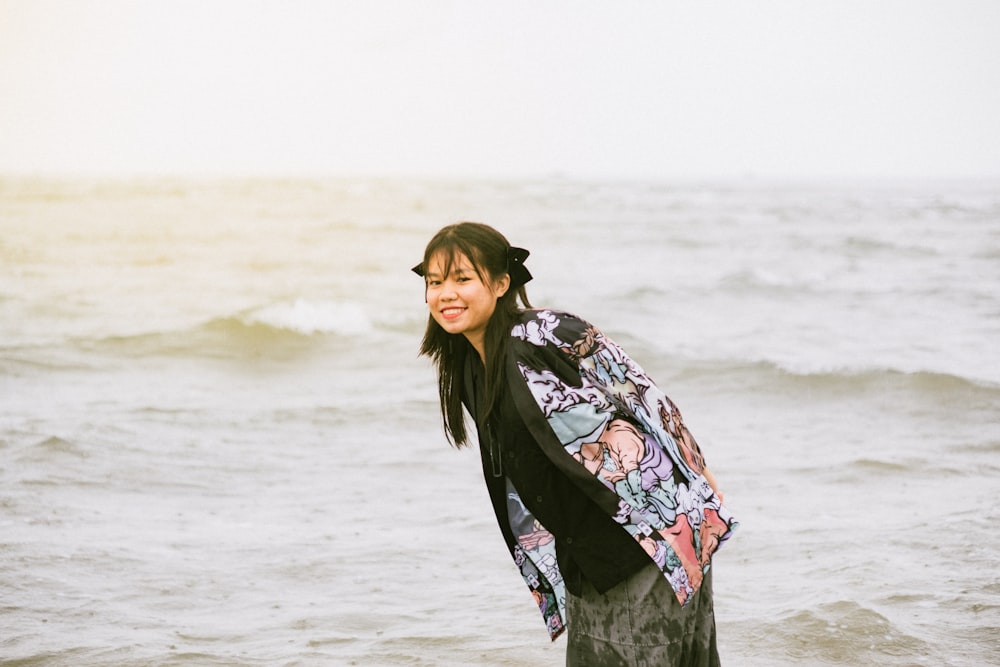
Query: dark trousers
point(639, 623)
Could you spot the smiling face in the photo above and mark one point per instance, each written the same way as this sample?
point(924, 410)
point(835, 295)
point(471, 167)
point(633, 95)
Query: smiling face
point(462, 301)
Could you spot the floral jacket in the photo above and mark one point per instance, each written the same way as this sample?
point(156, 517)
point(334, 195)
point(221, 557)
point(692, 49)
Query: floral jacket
point(572, 385)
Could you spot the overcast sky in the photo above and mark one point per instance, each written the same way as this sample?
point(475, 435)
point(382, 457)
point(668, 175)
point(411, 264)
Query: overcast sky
point(619, 89)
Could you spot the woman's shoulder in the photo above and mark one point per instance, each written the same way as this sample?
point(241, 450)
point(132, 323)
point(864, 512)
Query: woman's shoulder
point(546, 327)
point(549, 315)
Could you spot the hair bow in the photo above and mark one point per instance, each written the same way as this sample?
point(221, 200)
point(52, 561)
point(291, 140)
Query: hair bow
point(519, 274)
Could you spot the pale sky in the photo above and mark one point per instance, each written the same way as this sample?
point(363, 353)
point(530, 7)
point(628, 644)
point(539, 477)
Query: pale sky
point(622, 89)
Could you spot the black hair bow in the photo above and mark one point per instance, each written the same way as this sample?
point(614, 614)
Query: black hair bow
point(519, 274)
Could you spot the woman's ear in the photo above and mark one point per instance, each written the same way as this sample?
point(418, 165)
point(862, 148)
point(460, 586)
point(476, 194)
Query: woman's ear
point(501, 286)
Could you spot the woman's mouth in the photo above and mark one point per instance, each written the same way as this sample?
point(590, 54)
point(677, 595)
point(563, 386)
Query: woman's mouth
point(451, 313)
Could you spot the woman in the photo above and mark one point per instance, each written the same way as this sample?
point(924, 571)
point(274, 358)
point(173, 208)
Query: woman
point(601, 492)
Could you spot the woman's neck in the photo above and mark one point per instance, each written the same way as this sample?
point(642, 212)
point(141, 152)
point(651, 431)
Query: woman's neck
point(478, 343)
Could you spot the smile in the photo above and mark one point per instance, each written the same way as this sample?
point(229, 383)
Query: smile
point(451, 313)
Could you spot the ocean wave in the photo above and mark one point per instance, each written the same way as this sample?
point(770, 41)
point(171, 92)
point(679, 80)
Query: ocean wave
point(777, 375)
point(53, 446)
point(753, 280)
point(274, 330)
point(867, 246)
point(306, 317)
point(843, 632)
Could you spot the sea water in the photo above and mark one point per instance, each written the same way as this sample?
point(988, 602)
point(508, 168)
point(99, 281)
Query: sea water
point(218, 445)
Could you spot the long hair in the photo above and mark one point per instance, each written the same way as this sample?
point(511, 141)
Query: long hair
point(487, 251)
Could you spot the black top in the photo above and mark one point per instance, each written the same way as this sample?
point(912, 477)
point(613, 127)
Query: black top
point(589, 544)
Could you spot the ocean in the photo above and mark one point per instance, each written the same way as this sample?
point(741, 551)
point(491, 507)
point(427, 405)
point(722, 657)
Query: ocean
point(218, 445)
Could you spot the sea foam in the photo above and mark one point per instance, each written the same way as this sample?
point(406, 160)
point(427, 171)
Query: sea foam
point(312, 317)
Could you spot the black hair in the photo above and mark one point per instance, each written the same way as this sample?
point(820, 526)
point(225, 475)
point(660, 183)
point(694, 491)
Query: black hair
point(488, 252)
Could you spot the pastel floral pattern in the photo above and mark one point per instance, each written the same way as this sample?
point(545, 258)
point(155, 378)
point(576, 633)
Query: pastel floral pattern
point(610, 417)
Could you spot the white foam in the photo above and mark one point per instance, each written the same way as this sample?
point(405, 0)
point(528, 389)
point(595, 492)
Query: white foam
point(309, 317)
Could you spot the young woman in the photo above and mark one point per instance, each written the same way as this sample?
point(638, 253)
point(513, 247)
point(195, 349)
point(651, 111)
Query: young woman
point(601, 492)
